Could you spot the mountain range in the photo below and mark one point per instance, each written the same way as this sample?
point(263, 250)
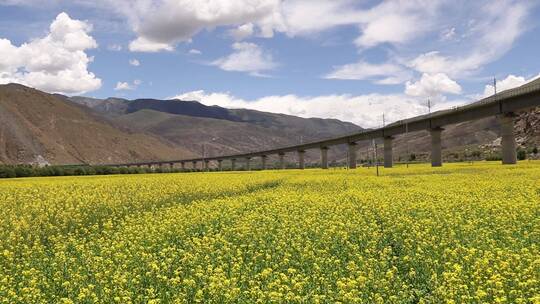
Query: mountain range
point(37, 127)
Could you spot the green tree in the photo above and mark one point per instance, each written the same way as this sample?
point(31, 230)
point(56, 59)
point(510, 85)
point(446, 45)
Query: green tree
point(521, 154)
point(24, 171)
point(7, 172)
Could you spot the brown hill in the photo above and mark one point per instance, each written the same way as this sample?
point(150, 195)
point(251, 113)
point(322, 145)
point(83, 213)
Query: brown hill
point(222, 137)
point(37, 127)
point(223, 131)
point(217, 130)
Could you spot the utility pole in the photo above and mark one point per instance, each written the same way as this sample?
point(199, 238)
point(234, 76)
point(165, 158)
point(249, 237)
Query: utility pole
point(429, 105)
point(383, 122)
point(495, 85)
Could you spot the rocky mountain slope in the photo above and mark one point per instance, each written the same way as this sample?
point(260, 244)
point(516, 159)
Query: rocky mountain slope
point(213, 129)
point(528, 128)
point(37, 127)
point(220, 131)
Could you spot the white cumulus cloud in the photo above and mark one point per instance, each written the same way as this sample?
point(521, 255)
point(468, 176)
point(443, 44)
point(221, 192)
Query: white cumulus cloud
point(55, 63)
point(385, 73)
point(134, 62)
point(242, 32)
point(142, 44)
point(124, 86)
point(307, 17)
point(391, 28)
point(121, 86)
point(160, 25)
point(432, 85)
point(247, 57)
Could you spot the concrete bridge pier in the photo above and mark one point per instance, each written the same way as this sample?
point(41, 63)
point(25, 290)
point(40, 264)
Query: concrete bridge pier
point(233, 164)
point(263, 162)
point(301, 159)
point(388, 153)
point(436, 147)
point(352, 155)
point(324, 157)
point(220, 164)
point(248, 163)
point(508, 140)
point(281, 160)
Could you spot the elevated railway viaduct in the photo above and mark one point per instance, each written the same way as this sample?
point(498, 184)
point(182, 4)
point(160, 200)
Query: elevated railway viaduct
point(503, 105)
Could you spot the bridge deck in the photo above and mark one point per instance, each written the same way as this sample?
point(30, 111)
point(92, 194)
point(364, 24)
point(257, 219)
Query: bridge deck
point(509, 101)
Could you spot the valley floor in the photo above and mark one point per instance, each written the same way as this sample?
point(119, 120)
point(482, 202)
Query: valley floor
point(463, 233)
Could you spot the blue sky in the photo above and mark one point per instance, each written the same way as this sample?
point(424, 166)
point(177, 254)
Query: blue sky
point(345, 59)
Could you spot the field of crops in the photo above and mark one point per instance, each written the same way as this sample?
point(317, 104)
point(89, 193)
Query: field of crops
point(461, 233)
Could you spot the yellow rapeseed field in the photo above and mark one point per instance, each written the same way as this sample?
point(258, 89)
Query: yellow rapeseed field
point(457, 234)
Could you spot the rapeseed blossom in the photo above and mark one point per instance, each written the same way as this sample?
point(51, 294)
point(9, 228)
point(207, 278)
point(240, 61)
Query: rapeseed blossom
point(458, 234)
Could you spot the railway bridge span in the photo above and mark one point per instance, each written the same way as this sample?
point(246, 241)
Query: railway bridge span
point(503, 105)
